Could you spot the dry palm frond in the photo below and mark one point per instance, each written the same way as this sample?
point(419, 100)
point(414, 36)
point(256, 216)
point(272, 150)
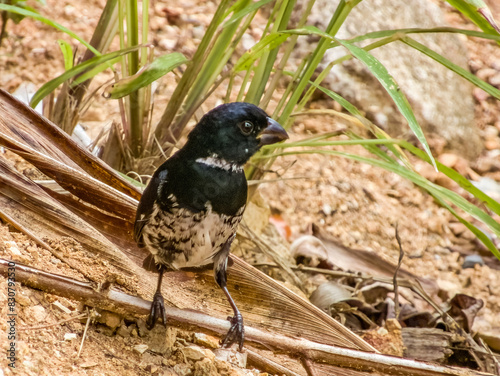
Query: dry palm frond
point(91, 229)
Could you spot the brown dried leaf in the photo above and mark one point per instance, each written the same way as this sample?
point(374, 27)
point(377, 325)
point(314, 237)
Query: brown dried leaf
point(263, 302)
point(464, 309)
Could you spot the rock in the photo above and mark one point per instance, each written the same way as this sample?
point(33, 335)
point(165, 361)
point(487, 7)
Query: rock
point(448, 159)
point(488, 186)
point(442, 101)
point(327, 209)
point(194, 352)
point(182, 369)
point(457, 228)
point(162, 340)
point(15, 254)
point(110, 319)
point(485, 73)
point(447, 289)
point(479, 94)
point(23, 299)
point(141, 348)
point(495, 80)
point(231, 356)
point(142, 328)
point(167, 44)
point(471, 261)
point(70, 336)
point(38, 313)
point(491, 144)
point(206, 340)
point(124, 331)
point(205, 367)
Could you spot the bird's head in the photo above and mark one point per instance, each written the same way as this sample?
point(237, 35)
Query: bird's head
point(234, 132)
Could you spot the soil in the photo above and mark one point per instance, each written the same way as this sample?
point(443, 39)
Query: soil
point(357, 204)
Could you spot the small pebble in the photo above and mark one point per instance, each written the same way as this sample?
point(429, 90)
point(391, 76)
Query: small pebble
point(206, 340)
point(471, 260)
point(38, 313)
point(141, 349)
point(193, 352)
point(327, 209)
point(70, 336)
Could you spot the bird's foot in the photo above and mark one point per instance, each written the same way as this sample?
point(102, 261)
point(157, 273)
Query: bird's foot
point(236, 333)
point(157, 311)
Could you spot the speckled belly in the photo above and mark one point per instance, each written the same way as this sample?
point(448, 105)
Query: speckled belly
point(181, 239)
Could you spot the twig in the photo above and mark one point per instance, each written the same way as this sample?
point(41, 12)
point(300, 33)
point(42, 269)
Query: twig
point(308, 366)
point(122, 303)
point(414, 286)
point(84, 333)
point(51, 325)
point(395, 278)
point(263, 363)
point(270, 252)
point(496, 363)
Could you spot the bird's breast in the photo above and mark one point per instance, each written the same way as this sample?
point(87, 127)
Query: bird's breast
point(180, 238)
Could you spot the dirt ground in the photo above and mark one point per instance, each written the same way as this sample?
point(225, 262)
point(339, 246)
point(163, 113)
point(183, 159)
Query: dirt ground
point(355, 203)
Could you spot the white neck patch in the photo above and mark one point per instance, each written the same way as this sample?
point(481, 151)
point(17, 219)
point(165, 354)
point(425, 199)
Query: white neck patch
point(216, 162)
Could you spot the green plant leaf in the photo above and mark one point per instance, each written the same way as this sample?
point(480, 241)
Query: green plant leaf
point(457, 177)
point(402, 32)
point(91, 73)
point(478, 12)
point(267, 43)
point(493, 91)
point(38, 17)
point(151, 72)
point(391, 86)
point(50, 86)
point(67, 52)
point(476, 231)
point(440, 193)
point(245, 11)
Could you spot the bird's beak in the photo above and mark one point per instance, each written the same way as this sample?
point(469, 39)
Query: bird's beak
point(273, 133)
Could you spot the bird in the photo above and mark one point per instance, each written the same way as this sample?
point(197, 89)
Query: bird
point(189, 212)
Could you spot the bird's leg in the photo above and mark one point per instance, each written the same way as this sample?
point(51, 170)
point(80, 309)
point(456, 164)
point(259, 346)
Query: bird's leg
point(236, 333)
point(158, 305)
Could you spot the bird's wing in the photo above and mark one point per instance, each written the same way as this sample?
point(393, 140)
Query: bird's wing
point(147, 203)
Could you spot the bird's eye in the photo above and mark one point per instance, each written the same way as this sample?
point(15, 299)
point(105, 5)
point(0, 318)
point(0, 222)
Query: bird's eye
point(246, 127)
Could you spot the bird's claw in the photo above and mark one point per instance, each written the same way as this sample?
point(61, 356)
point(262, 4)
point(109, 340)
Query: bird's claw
point(157, 310)
point(236, 333)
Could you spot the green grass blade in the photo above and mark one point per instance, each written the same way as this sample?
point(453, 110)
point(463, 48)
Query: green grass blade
point(91, 73)
point(457, 177)
point(267, 62)
point(477, 232)
point(50, 86)
point(390, 85)
point(38, 17)
point(416, 30)
point(67, 52)
point(151, 72)
point(318, 143)
point(376, 131)
point(453, 67)
point(245, 11)
point(162, 131)
point(477, 12)
point(434, 189)
point(267, 43)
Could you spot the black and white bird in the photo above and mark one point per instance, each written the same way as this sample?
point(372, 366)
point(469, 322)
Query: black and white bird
point(188, 214)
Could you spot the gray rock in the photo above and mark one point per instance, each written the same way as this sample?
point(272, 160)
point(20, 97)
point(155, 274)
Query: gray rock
point(471, 260)
point(442, 101)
